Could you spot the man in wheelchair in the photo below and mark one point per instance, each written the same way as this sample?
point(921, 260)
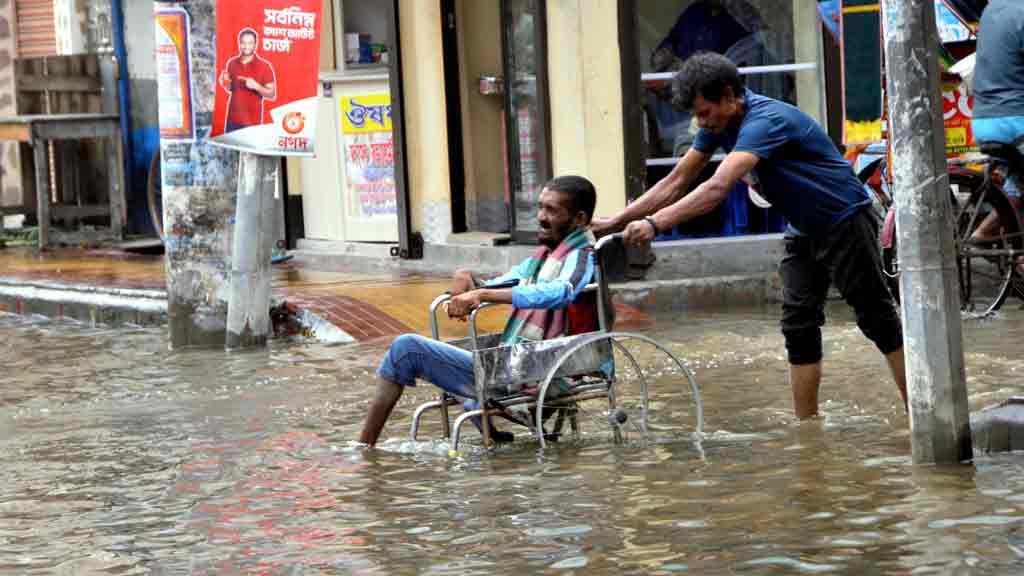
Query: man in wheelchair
point(544, 291)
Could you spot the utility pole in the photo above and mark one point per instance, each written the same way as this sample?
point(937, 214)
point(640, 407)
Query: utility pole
point(199, 183)
point(936, 382)
point(253, 245)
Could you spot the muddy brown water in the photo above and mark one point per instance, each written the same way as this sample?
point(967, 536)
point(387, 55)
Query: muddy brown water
point(120, 457)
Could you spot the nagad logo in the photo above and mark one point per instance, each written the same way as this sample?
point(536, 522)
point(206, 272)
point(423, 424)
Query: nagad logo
point(293, 122)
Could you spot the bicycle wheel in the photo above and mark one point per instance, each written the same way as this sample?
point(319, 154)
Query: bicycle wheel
point(985, 266)
point(154, 196)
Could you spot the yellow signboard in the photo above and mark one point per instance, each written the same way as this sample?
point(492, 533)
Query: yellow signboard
point(366, 114)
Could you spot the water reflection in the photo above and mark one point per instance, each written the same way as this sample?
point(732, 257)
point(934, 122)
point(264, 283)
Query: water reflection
point(124, 458)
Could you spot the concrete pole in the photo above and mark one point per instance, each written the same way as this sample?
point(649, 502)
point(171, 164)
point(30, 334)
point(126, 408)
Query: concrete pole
point(199, 184)
point(939, 419)
point(252, 249)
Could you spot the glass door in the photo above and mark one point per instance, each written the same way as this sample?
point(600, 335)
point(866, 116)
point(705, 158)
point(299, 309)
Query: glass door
point(528, 133)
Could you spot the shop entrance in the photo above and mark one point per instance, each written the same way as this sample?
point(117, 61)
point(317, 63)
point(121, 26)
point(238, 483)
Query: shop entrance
point(498, 127)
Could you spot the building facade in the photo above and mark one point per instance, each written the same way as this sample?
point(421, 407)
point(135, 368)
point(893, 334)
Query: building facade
point(497, 96)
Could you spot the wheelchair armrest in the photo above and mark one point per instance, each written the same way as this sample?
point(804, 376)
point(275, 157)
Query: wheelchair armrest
point(472, 321)
point(434, 332)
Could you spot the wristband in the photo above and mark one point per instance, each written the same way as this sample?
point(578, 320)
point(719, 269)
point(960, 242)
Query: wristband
point(654, 226)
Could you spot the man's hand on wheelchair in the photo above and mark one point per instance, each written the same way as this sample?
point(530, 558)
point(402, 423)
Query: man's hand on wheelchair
point(603, 226)
point(462, 305)
point(462, 282)
point(638, 233)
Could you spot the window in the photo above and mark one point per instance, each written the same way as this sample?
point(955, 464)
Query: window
point(775, 43)
point(364, 38)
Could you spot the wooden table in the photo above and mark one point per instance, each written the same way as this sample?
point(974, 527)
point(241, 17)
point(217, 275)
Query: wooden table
point(39, 130)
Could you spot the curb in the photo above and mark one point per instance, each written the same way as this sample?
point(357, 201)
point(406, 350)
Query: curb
point(700, 293)
point(91, 304)
point(123, 306)
point(96, 305)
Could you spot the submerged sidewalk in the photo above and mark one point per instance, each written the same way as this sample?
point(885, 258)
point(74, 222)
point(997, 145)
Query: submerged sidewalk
point(117, 288)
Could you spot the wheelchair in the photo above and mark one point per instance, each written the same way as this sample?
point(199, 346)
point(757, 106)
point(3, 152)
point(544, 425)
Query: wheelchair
point(579, 378)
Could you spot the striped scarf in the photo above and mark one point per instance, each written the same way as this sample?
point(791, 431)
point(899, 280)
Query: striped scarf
point(545, 266)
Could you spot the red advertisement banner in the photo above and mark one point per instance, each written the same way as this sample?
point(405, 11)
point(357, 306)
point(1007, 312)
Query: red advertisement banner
point(268, 63)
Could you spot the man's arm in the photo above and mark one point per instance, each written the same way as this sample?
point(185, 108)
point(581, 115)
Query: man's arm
point(577, 272)
point(269, 80)
point(267, 91)
point(270, 91)
point(666, 191)
point(225, 76)
point(461, 305)
point(465, 280)
point(701, 201)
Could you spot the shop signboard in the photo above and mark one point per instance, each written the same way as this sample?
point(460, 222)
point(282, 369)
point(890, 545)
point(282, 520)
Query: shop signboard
point(860, 29)
point(267, 76)
point(369, 155)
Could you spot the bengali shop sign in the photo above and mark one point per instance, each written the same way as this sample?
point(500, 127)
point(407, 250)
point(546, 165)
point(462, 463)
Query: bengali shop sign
point(369, 154)
point(268, 63)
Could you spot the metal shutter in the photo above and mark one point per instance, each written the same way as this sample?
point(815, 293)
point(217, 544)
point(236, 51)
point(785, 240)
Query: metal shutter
point(37, 34)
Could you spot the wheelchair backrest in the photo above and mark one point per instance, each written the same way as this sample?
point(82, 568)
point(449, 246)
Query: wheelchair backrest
point(609, 264)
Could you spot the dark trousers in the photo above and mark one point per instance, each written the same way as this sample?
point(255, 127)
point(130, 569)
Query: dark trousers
point(849, 259)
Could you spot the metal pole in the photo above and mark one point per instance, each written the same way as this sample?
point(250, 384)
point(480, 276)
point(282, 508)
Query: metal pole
point(936, 383)
point(252, 249)
point(124, 94)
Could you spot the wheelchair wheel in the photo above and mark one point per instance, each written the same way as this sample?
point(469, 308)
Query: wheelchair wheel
point(647, 396)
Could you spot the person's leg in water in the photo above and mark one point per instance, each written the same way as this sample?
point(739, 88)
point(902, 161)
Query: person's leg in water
point(898, 369)
point(804, 287)
point(385, 397)
point(805, 380)
point(856, 271)
point(410, 357)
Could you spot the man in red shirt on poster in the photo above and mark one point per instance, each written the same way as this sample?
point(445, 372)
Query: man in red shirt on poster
point(249, 80)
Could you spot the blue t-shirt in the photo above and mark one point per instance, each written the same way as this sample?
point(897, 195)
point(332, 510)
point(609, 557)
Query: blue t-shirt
point(999, 69)
point(800, 171)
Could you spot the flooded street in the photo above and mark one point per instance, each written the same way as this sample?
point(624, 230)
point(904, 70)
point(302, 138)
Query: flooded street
point(121, 457)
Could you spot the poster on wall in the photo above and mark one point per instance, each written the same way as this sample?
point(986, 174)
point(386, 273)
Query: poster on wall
point(174, 74)
point(369, 155)
point(957, 109)
point(267, 74)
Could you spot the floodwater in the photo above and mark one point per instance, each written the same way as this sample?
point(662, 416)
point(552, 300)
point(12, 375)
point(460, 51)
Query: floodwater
point(120, 457)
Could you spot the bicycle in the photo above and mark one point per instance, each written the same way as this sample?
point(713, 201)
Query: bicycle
point(987, 270)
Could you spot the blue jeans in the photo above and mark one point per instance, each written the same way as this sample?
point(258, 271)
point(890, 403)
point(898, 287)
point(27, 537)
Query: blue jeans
point(1005, 130)
point(412, 356)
